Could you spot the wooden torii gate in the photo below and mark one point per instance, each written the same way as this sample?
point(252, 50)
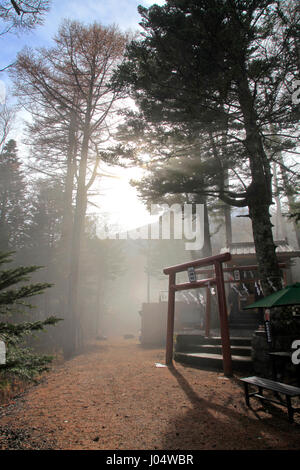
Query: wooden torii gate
point(218, 280)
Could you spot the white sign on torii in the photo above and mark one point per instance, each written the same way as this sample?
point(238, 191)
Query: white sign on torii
point(2, 353)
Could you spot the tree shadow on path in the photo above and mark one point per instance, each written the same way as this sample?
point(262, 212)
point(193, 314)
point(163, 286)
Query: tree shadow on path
point(213, 426)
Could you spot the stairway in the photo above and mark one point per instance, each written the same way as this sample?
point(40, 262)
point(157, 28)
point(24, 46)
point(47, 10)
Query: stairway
point(206, 353)
point(245, 320)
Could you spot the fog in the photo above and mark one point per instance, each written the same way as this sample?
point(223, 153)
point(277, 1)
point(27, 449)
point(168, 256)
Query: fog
point(52, 179)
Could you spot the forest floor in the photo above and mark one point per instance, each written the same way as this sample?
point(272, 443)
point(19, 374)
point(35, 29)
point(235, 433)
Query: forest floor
point(114, 397)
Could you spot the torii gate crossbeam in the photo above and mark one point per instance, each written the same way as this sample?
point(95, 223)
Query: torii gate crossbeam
point(218, 280)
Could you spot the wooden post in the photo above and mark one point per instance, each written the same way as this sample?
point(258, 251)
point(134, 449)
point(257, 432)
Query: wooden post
point(171, 315)
point(227, 361)
point(207, 312)
point(284, 278)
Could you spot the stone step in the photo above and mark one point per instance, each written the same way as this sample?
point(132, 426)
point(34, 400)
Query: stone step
point(217, 349)
point(251, 321)
point(189, 341)
point(248, 317)
point(243, 326)
point(244, 314)
point(213, 361)
point(242, 321)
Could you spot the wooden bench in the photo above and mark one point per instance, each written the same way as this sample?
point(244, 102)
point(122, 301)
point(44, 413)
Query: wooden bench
point(277, 387)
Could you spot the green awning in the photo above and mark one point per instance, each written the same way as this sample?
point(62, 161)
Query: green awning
point(290, 295)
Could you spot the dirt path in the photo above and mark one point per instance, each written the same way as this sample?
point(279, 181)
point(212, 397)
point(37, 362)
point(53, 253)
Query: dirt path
point(114, 397)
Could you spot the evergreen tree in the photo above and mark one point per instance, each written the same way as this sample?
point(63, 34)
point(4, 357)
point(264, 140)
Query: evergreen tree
point(179, 165)
point(12, 198)
point(13, 302)
point(45, 218)
point(218, 65)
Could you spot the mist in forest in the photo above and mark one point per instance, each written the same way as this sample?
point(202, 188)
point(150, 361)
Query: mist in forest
point(80, 128)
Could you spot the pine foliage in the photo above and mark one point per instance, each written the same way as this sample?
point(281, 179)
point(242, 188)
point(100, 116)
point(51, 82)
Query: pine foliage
point(14, 294)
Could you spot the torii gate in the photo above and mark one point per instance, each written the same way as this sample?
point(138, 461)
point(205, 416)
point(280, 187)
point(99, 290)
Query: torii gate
point(218, 280)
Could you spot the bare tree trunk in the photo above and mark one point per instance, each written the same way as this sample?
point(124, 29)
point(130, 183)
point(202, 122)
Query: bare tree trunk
point(207, 248)
point(69, 183)
point(228, 225)
point(280, 222)
point(66, 236)
point(227, 214)
point(77, 236)
point(259, 193)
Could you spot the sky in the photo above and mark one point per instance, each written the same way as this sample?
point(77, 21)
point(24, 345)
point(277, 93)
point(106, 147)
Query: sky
point(126, 211)
point(107, 12)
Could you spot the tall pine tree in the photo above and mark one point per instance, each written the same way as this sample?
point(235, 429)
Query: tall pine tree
point(12, 198)
point(219, 64)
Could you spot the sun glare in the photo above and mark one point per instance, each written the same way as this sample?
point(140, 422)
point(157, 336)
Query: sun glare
point(119, 204)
